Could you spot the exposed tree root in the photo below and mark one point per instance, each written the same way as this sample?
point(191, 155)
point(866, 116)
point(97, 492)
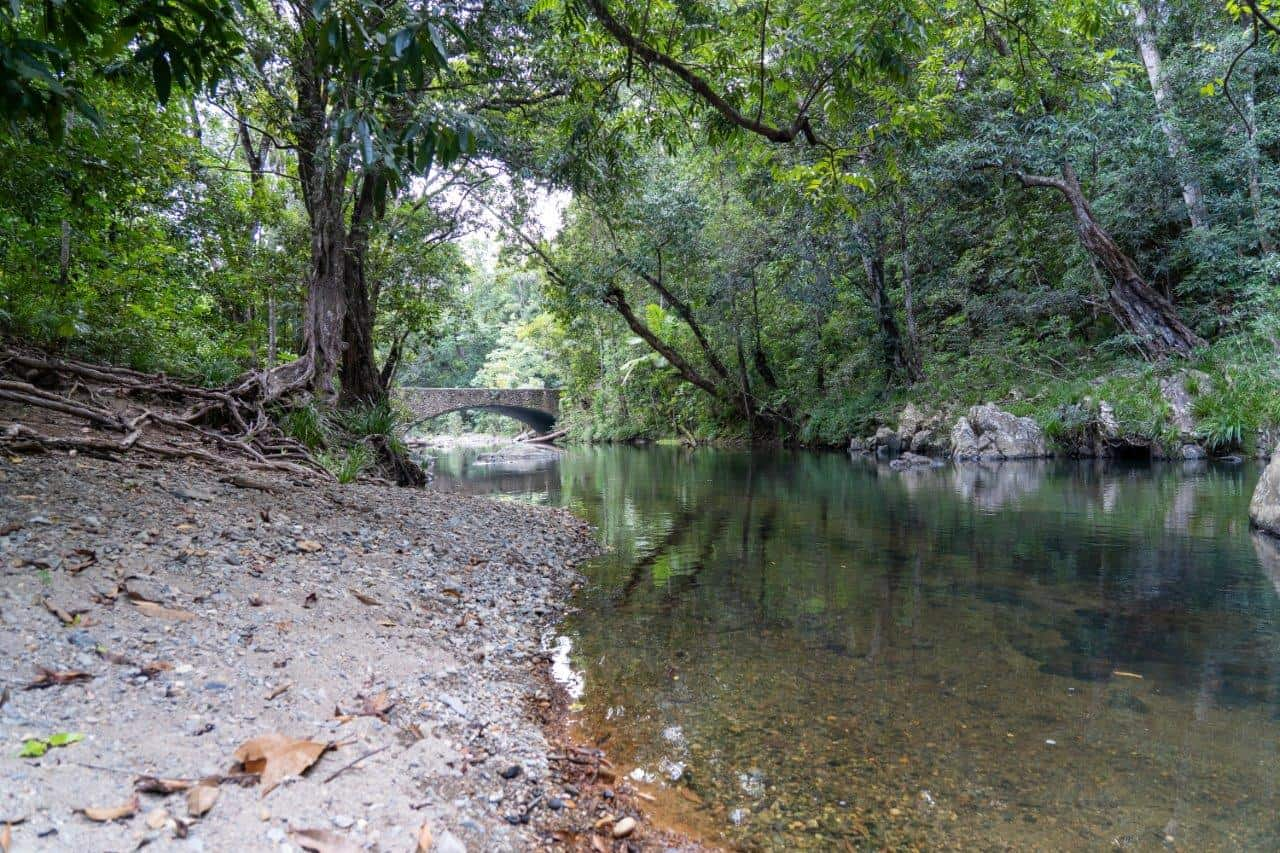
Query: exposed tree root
point(154, 413)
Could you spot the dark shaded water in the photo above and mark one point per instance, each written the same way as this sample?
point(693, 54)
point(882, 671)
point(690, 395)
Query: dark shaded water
point(803, 650)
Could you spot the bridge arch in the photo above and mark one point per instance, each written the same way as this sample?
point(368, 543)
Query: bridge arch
point(537, 408)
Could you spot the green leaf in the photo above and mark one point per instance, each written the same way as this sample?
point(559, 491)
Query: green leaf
point(65, 738)
point(33, 748)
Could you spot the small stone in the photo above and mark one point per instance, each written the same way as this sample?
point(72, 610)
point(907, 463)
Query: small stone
point(215, 685)
point(343, 821)
point(157, 818)
point(275, 835)
point(449, 843)
point(624, 827)
point(555, 804)
point(511, 772)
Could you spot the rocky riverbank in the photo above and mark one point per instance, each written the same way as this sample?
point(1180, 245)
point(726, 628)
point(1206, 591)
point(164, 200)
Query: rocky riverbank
point(161, 618)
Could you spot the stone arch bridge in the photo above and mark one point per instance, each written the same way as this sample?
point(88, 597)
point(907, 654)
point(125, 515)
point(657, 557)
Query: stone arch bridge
point(535, 407)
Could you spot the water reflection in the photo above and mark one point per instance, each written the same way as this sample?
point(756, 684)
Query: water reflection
point(810, 651)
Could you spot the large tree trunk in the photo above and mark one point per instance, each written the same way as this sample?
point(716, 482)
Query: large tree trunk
point(896, 361)
point(1138, 307)
point(1177, 145)
point(361, 381)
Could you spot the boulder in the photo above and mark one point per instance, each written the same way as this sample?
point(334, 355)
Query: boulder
point(1192, 452)
point(926, 442)
point(988, 433)
point(859, 445)
point(886, 442)
point(1264, 509)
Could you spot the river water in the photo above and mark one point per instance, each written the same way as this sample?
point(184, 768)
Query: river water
point(807, 651)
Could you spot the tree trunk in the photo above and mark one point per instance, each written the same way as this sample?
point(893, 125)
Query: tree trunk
point(896, 362)
point(272, 339)
point(361, 382)
point(1139, 308)
point(64, 257)
point(908, 295)
point(1265, 243)
point(1177, 145)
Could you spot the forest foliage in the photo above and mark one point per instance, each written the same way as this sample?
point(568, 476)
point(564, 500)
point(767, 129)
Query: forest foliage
point(779, 219)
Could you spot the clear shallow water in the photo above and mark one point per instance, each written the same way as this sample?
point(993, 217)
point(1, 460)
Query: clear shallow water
point(808, 651)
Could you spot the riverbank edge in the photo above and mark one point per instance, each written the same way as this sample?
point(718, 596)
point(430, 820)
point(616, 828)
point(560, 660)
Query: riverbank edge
point(466, 677)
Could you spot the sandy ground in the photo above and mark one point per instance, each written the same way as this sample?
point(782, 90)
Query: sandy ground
point(401, 627)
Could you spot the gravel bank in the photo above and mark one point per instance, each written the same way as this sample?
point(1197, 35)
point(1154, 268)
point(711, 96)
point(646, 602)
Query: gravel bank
point(402, 626)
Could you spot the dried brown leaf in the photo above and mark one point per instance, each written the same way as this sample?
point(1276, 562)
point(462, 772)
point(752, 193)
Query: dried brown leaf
point(113, 657)
point(150, 608)
point(155, 667)
point(309, 546)
point(281, 689)
point(201, 798)
point(365, 599)
point(51, 678)
point(157, 785)
point(105, 814)
point(275, 757)
point(323, 841)
point(157, 818)
point(424, 839)
point(6, 838)
point(377, 706)
point(64, 616)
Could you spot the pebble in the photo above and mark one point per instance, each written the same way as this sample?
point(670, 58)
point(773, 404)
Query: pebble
point(624, 827)
point(511, 772)
point(343, 821)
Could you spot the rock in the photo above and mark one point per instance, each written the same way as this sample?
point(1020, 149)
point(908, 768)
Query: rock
point(926, 442)
point(1174, 390)
point(511, 772)
point(886, 441)
point(1192, 451)
point(1264, 509)
point(988, 433)
point(343, 821)
point(910, 460)
point(624, 827)
point(858, 445)
point(449, 843)
point(911, 420)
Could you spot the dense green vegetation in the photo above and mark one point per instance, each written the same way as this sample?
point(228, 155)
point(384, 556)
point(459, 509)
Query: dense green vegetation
point(781, 220)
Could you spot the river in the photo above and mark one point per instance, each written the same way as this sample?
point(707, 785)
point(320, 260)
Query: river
point(806, 651)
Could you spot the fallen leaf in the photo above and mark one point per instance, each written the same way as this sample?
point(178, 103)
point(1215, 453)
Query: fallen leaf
point(156, 785)
point(450, 591)
point(424, 839)
point(106, 814)
point(50, 678)
point(377, 706)
point(150, 608)
point(10, 527)
point(323, 841)
point(157, 818)
point(155, 667)
point(281, 689)
point(64, 616)
point(309, 546)
point(112, 657)
point(201, 798)
point(6, 839)
point(275, 757)
point(365, 599)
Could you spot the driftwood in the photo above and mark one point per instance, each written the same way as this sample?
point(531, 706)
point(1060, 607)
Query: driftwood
point(152, 414)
